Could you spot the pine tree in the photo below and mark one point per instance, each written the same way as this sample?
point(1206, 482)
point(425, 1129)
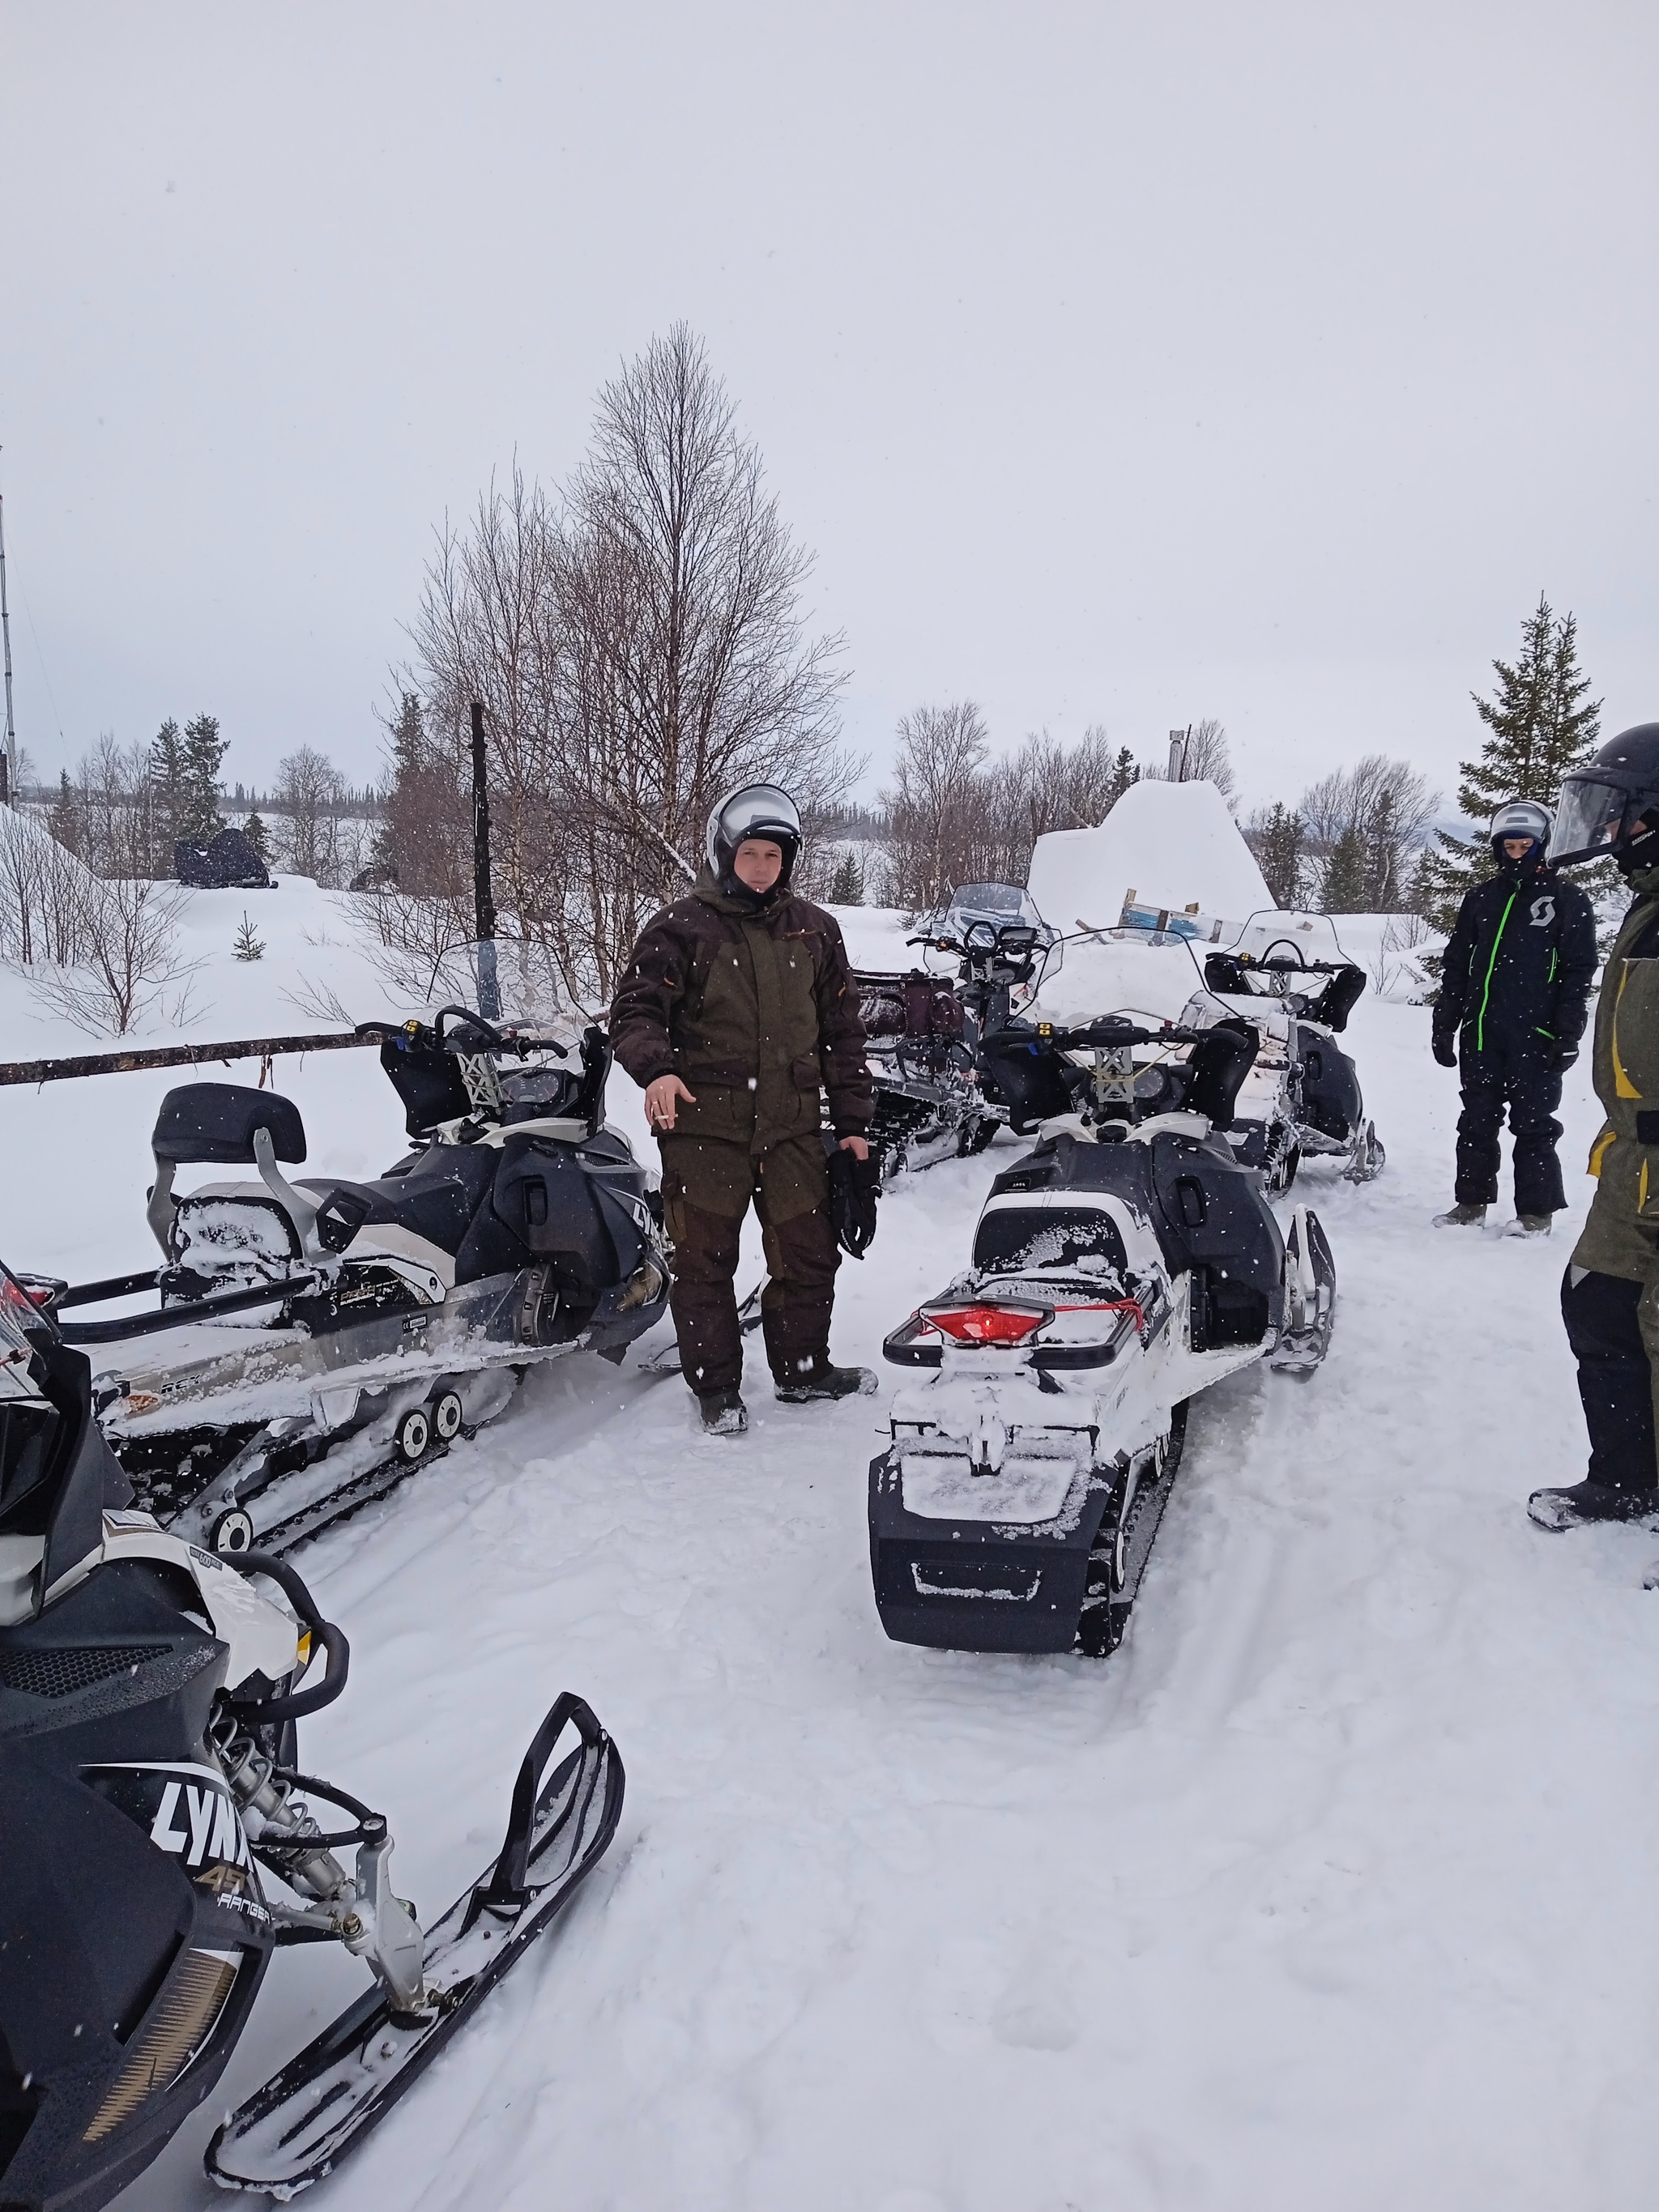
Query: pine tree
point(246, 945)
point(1280, 845)
point(258, 837)
point(1344, 888)
point(1381, 842)
point(1539, 725)
point(847, 885)
point(203, 750)
point(1126, 770)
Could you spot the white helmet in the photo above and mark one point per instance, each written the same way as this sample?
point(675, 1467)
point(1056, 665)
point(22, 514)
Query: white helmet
point(1522, 818)
point(757, 809)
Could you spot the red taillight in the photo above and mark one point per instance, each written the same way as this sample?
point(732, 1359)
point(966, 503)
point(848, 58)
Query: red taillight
point(986, 1324)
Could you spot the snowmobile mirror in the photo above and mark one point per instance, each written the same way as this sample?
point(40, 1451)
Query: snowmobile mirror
point(1221, 1060)
point(215, 1122)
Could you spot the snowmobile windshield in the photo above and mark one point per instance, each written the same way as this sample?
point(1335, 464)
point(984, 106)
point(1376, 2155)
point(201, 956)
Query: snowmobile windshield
point(1018, 1241)
point(1592, 817)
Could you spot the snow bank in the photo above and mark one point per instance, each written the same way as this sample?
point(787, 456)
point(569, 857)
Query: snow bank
point(1172, 843)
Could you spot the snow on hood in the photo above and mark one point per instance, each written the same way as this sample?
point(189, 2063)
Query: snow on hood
point(1172, 844)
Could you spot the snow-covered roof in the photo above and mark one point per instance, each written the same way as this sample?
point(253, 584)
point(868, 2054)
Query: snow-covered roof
point(1172, 844)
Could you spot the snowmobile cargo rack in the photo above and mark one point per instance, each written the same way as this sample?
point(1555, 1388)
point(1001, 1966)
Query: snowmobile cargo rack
point(173, 1316)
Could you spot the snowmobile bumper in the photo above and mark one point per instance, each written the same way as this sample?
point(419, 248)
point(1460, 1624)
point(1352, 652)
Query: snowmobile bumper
point(974, 1585)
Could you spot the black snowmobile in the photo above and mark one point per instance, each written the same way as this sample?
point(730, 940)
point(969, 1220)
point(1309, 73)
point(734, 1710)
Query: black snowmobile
point(314, 1339)
point(1124, 1264)
point(935, 1098)
point(1303, 1095)
point(157, 1841)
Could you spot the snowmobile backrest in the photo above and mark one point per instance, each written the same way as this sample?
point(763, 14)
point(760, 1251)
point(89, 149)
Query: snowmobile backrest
point(1221, 1060)
point(215, 1122)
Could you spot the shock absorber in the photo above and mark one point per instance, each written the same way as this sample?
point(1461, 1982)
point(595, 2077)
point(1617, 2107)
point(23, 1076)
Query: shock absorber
point(280, 1824)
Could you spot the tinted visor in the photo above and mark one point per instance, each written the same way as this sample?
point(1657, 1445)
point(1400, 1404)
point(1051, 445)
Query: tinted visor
point(1591, 818)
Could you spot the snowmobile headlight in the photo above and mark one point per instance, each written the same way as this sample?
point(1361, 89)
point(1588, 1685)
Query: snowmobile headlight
point(987, 1323)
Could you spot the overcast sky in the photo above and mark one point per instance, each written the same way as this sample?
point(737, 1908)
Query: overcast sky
point(1120, 362)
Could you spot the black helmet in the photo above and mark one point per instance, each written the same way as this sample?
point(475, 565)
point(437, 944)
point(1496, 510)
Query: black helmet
point(758, 810)
point(1609, 809)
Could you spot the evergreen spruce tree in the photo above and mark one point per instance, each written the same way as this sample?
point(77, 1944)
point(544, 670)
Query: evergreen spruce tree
point(1381, 840)
point(1279, 851)
point(1538, 726)
point(846, 883)
point(168, 787)
point(1126, 770)
point(1344, 888)
point(203, 750)
point(65, 822)
point(258, 837)
point(406, 743)
point(247, 944)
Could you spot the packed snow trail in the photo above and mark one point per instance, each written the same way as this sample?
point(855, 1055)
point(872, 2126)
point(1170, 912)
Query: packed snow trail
point(1333, 1888)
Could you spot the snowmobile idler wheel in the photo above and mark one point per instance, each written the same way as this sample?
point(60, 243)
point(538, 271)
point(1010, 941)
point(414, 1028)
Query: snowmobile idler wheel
point(447, 1416)
point(233, 1532)
point(412, 1435)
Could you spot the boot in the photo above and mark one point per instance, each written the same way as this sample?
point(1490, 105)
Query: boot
point(724, 1414)
point(820, 1381)
point(1530, 1225)
point(1461, 1216)
point(1588, 1502)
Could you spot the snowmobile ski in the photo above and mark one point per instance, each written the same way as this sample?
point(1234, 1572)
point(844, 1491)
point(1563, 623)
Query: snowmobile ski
point(297, 2128)
point(1304, 1337)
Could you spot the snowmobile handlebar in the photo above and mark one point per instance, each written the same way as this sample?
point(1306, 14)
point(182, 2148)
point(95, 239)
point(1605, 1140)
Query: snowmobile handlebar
point(325, 1635)
point(494, 1040)
point(1106, 1033)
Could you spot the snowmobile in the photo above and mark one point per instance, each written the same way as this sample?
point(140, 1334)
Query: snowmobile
point(315, 1340)
point(1303, 1095)
point(933, 1099)
point(1124, 1264)
point(158, 1839)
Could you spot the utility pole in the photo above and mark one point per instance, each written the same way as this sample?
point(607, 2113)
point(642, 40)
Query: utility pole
point(483, 898)
point(1179, 741)
point(8, 766)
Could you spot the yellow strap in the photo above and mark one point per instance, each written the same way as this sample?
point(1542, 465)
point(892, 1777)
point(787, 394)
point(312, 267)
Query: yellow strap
point(1599, 1151)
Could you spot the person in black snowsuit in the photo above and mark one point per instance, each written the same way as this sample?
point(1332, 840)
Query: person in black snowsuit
point(1515, 986)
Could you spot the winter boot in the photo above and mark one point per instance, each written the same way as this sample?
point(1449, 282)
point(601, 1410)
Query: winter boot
point(1461, 1216)
point(1530, 1225)
point(1587, 1502)
point(822, 1381)
point(724, 1414)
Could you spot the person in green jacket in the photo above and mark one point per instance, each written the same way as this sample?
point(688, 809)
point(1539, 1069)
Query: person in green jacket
point(1610, 1293)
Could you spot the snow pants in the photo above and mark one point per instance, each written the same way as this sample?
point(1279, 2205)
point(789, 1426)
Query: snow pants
point(707, 1189)
point(1518, 1077)
point(1612, 1326)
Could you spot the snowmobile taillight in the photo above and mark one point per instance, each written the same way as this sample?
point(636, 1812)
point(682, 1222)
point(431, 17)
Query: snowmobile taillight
point(987, 1324)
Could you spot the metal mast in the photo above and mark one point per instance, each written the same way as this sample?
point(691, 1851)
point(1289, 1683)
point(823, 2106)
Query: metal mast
point(8, 767)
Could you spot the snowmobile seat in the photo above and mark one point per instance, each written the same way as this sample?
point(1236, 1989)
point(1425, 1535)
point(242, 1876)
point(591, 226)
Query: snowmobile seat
point(215, 1122)
point(435, 1201)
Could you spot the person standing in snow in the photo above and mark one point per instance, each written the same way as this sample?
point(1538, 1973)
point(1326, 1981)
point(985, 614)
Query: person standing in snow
point(736, 1009)
point(1515, 983)
point(1610, 1292)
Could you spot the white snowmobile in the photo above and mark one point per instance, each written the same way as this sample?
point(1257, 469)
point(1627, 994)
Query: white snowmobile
point(1303, 1095)
point(1123, 1265)
point(158, 1843)
point(317, 1339)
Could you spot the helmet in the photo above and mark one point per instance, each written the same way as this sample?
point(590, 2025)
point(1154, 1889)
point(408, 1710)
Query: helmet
point(1521, 818)
point(1603, 811)
point(757, 809)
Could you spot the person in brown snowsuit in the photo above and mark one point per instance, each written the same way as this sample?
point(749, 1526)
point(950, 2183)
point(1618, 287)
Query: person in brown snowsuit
point(737, 1010)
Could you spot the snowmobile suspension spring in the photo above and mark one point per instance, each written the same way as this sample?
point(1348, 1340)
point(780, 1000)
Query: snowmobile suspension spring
point(281, 1824)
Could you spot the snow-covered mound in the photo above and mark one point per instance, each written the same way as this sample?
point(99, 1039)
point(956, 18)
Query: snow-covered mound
point(1173, 844)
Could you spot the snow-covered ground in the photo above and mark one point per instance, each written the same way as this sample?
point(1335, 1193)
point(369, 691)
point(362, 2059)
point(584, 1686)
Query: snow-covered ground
point(1332, 1892)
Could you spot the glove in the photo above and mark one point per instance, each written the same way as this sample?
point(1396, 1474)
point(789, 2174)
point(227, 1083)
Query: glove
point(854, 1189)
point(1445, 1048)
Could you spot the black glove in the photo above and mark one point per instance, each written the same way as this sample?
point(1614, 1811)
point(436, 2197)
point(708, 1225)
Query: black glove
point(1445, 1048)
point(854, 1189)
point(1562, 1056)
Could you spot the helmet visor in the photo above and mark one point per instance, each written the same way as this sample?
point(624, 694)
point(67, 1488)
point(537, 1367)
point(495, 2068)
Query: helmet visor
point(1591, 820)
point(762, 811)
